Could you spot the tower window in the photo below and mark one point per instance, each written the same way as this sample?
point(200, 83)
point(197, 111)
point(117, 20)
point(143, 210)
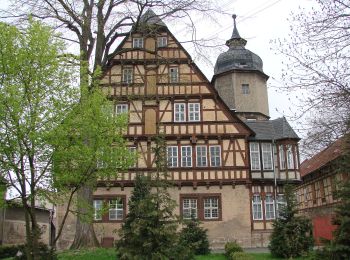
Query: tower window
point(245, 89)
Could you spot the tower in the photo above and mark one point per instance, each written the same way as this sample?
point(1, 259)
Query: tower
point(240, 80)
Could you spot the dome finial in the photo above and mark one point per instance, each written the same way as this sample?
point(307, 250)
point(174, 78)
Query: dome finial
point(236, 39)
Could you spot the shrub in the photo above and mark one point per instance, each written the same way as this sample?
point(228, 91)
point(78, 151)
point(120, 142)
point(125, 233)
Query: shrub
point(232, 247)
point(45, 253)
point(9, 251)
point(194, 236)
point(240, 256)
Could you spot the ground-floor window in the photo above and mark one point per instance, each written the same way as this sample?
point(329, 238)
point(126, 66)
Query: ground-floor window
point(109, 208)
point(257, 207)
point(205, 207)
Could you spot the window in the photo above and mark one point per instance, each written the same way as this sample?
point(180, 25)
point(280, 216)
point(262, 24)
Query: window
point(189, 208)
point(172, 156)
point(116, 209)
point(245, 89)
point(215, 156)
point(290, 158)
point(137, 43)
point(162, 41)
point(98, 209)
point(266, 150)
point(211, 208)
point(186, 156)
point(193, 112)
point(282, 158)
point(127, 75)
point(257, 207)
point(281, 203)
point(269, 207)
point(254, 156)
point(201, 156)
point(121, 108)
point(179, 112)
point(132, 150)
point(173, 74)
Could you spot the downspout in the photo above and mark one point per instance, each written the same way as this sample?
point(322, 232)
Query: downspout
point(275, 161)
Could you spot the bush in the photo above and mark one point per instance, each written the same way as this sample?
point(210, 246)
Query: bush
point(45, 253)
point(195, 237)
point(9, 251)
point(232, 247)
point(240, 256)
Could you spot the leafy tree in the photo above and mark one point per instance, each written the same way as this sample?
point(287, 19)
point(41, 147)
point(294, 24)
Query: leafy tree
point(195, 236)
point(292, 234)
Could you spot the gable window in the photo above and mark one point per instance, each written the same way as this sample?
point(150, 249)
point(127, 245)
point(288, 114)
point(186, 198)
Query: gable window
point(290, 159)
point(269, 207)
point(193, 112)
point(189, 208)
point(186, 156)
point(137, 43)
point(162, 41)
point(174, 74)
point(282, 158)
point(98, 209)
point(127, 75)
point(215, 155)
point(254, 156)
point(245, 89)
point(257, 207)
point(179, 112)
point(201, 154)
point(121, 108)
point(266, 150)
point(211, 208)
point(116, 209)
point(172, 153)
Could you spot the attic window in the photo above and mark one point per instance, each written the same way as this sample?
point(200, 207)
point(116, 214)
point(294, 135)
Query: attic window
point(137, 43)
point(162, 41)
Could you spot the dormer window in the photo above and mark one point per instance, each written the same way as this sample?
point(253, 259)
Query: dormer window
point(245, 89)
point(137, 43)
point(162, 41)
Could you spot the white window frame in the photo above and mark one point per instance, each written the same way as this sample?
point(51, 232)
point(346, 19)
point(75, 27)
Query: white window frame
point(254, 149)
point(173, 74)
point(118, 209)
point(121, 108)
point(201, 156)
point(245, 89)
point(189, 208)
point(257, 207)
point(215, 159)
point(172, 156)
point(282, 157)
point(267, 156)
point(137, 42)
point(186, 152)
point(162, 41)
point(211, 211)
point(290, 157)
point(194, 112)
point(269, 207)
point(179, 115)
point(128, 75)
point(98, 205)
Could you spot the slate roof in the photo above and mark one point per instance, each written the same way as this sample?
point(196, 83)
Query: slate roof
point(272, 129)
point(150, 17)
point(322, 158)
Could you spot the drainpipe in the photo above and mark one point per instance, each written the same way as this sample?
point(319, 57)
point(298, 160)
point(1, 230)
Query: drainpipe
point(275, 161)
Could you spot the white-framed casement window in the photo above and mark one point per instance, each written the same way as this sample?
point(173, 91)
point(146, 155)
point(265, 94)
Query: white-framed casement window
point(121, 108)
point(186, 156)
point(98, 204)
point(137, 42)
point(211, 208)
point(116, 209)
point(194, 112)
point(290, 157)
point(127, 76)
point(245, 89)
point(215, 155)
point(257, 207)
point(201, 156)
point(172, 154)
point(282, 157)
point(189, 208)
point(179, 112)
point(173, 74)
point(266, 150)
point(254, 156)
point(281, 202)
point(162, 41)
point(269, 207)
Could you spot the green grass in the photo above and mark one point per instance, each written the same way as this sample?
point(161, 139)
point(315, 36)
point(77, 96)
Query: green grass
point(211, 257)
point(88, 254)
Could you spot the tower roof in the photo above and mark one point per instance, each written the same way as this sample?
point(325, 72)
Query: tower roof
point(236, 39)
point(149, 17)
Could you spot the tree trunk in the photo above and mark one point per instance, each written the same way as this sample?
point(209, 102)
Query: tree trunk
point(85, 235)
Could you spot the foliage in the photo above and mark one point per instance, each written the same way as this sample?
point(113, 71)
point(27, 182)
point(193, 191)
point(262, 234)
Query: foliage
point(196, 237)
point(292, 234)
point(88, 254)
point(240, 256)
point(232, 247)
point(44, 252)
point(8, 251)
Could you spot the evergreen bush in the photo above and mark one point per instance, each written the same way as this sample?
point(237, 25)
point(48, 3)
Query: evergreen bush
point(240, 256)
point(232, 247)
point(195, 236)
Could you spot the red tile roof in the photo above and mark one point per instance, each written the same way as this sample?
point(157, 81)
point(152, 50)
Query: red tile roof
point(322, 158)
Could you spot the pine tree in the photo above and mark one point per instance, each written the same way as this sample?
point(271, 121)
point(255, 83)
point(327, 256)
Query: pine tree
point(292, 234)
point(195, 236)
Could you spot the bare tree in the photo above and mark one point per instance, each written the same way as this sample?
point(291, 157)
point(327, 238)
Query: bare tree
point(95, 27)
point(317, 70)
